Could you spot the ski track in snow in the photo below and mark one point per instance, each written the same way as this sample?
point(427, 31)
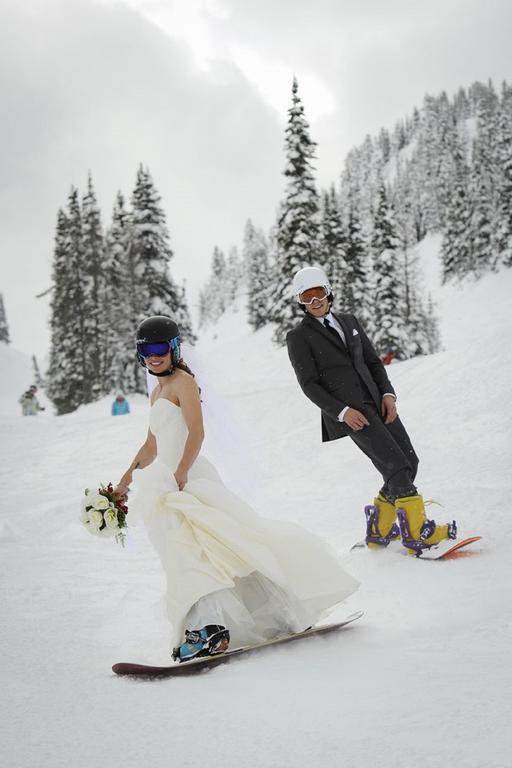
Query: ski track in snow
point(423, 678)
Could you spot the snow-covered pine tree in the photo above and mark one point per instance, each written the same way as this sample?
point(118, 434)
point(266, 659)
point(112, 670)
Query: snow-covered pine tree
point(67, 369)
point(451, 160)
point(217, 288)
point(370, 172)
point(502, 243)
point(38, 379)
point(157, 293)
point(259, 283)
point(122, 371)
point(390, 334)
point(355, 291)
point(428, 156)
point(482, 185)
point(384, 144)
point(456, 243)
point(218, 264)
point(204, 317)
point(94, 292)
point(332, 249)
point(235, 274)
point(298, 225)
point(432, 328)
point(4, 327)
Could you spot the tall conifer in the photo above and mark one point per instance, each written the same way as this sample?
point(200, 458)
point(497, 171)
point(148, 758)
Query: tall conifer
point(297, 231)
point(94, 291)
point(157, 292)
point(390, 334)
point(67, 385)
point(259, 282)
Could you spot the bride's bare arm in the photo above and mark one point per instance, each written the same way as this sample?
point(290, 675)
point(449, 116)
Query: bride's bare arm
point(190, 403)
point(145, 455)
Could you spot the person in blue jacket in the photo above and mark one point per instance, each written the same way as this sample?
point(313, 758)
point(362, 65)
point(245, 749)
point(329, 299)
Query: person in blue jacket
point(120, 406)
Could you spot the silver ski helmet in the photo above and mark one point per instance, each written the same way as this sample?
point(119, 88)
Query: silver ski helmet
point(154, 332)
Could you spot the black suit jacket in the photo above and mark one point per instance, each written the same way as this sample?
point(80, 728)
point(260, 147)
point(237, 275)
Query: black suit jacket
point(330, 373)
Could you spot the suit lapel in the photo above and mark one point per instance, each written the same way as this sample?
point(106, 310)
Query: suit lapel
point(320, 328)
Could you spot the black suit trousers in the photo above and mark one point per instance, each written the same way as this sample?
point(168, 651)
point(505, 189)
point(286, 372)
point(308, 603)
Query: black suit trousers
point(390, 450)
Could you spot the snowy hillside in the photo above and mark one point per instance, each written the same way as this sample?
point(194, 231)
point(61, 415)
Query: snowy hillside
point(422, 679)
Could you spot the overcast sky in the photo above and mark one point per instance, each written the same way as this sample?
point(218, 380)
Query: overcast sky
point(198, 90)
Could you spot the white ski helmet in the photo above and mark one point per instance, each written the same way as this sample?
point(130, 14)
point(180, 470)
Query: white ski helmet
point(309, 277)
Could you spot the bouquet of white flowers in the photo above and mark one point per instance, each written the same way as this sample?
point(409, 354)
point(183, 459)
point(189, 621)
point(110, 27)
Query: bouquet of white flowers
point(104, 513)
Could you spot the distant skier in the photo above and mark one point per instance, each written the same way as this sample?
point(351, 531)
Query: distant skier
point(120, 406)
point(339, 370)
point(29, 403)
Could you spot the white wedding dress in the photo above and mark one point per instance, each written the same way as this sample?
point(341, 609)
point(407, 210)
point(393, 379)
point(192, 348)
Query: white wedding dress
point(224, 563)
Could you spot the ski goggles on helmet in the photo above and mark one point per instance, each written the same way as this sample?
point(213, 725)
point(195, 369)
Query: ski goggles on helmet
point(319, 293)
point(159, 348)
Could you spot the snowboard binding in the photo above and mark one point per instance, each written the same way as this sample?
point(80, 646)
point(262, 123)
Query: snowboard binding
point(211, 639)
point(373, 534)
point(417, 546)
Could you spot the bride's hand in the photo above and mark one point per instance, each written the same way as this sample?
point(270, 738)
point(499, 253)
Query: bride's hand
point(121, 491)
point(181, 478)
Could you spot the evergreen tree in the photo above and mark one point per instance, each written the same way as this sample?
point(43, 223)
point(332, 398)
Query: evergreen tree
point(502, 244)
point(121, 367)
point(94, 289)
point(432, 328)
point(234, 276)
point(259, 284)
point(428, 157)
point(390, 334)
point(332, 248)
point(204, 317)
point(456, 244)
point(4, 327)
point(214, 297)
point(298, 226)
point(481, 188)
point(384, 143)
point(157, 293)
point(67, 369)
point(356, 288)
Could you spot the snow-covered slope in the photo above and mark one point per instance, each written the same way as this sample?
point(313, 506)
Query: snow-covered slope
point(422, 679)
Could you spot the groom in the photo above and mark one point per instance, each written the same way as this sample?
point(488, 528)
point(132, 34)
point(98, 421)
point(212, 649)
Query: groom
point(340, 371)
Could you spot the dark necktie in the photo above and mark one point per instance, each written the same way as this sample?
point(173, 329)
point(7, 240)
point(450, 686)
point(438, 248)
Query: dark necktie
point(332, 330)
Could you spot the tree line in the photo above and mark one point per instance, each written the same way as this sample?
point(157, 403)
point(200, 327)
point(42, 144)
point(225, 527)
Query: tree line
point(446, 169)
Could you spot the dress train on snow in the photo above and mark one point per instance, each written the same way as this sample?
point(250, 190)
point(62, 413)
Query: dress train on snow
point(224, 563)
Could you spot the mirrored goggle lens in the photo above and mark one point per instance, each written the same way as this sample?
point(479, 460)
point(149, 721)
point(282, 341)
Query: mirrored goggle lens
point(159, 348)
point(313, 294)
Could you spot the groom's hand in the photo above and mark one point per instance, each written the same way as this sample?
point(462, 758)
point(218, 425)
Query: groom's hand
point(388, 409)
point(355, 419)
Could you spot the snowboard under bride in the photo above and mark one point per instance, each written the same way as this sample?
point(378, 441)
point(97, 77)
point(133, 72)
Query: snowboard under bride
point(233, 577)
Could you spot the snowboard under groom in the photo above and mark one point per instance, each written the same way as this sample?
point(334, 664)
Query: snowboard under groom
point(340, 371)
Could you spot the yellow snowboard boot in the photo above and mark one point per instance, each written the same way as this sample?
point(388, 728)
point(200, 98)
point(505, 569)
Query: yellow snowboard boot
point(418, 533)
point(380, 523)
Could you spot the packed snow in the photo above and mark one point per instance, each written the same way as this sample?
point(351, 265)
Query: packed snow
point(422, 679)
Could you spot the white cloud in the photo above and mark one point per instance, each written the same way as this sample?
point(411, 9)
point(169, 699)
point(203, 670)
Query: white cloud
point(273, 80)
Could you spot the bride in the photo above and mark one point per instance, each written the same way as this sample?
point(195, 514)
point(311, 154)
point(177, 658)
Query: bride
point(232, 576)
